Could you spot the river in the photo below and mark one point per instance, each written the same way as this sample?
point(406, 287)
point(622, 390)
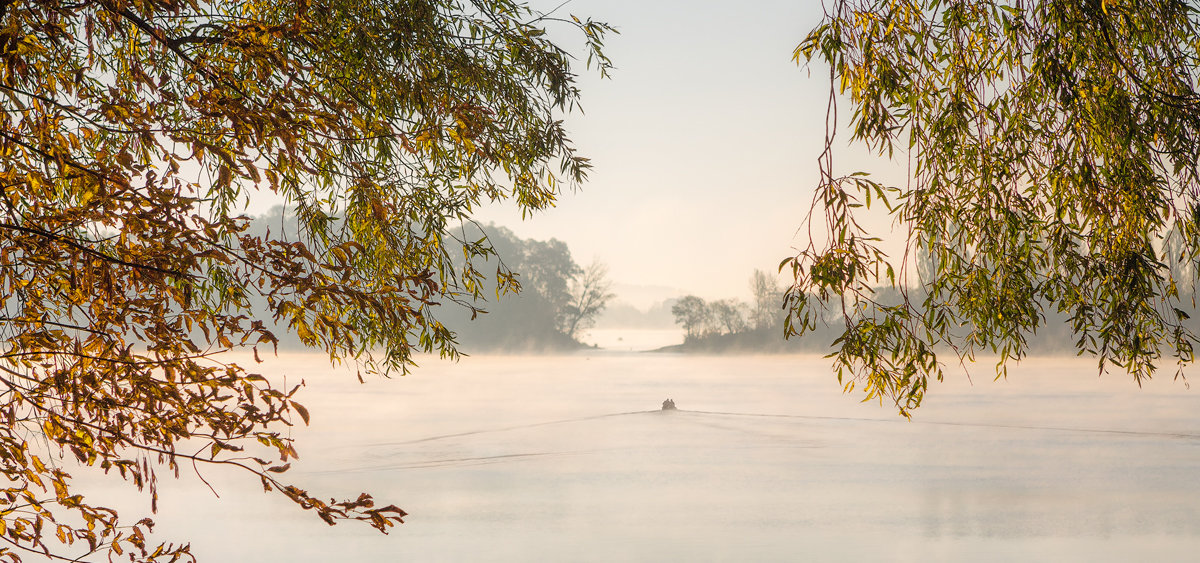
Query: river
point(568, 458)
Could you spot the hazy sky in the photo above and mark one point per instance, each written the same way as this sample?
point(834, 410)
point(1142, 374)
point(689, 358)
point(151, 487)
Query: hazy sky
point(704, 143)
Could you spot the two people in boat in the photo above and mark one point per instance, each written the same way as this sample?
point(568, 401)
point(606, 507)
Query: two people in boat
point(668, 405)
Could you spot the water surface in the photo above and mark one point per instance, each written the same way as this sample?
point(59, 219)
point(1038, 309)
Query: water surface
point(568, 458)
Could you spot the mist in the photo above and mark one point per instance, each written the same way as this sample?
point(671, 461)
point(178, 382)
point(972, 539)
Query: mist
point(570, 457)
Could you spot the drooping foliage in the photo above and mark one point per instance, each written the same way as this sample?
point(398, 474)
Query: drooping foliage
point(1051, 149)
point(133, 132)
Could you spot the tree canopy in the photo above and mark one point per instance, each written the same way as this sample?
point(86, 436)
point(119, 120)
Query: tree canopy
point(693, 314)
point(557, 301)
point(1051, 150)
point(133, 134)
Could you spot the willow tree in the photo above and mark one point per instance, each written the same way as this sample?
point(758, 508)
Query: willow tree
point(133, 132)
point(1051, 146)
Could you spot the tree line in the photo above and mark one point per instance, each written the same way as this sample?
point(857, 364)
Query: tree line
point(530, 295)
point(732, 324)
point(540, 300)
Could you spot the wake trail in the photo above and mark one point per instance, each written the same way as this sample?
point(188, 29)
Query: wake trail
point(500, 458)
point(1143, 433)
point(453, 462)
point(511, 428)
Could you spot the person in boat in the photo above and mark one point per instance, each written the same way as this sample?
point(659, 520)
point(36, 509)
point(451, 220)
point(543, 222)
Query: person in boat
point(668, 405)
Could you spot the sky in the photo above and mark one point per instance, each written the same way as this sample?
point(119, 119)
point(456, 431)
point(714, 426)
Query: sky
point(704, 143)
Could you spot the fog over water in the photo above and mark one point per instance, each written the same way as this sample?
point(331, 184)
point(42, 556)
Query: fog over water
point(569, 458)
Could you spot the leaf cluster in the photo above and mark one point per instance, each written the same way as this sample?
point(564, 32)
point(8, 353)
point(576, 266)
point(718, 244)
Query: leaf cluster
point(133, 132)
point(1052, 149)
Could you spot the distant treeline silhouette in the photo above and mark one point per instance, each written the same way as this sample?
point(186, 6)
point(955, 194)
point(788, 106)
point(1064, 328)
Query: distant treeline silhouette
point(557, 299)
point(729, 325)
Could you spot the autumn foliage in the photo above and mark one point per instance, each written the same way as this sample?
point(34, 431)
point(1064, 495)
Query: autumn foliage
point(133, 133)
point(1050, 153)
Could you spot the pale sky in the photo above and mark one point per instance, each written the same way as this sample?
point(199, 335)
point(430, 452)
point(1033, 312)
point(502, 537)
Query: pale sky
point(704, 143)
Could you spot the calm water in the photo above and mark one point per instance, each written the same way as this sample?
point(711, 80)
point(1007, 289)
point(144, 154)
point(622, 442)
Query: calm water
point(567, 458)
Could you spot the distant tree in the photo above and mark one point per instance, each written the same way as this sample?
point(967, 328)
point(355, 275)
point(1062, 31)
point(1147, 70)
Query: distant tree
point(693, 314)
point(729, 315)
point(131, 134)
point(547, 268)
point(590, 293)
point(556, 300)
point(768, 300)
point(1052, 144)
